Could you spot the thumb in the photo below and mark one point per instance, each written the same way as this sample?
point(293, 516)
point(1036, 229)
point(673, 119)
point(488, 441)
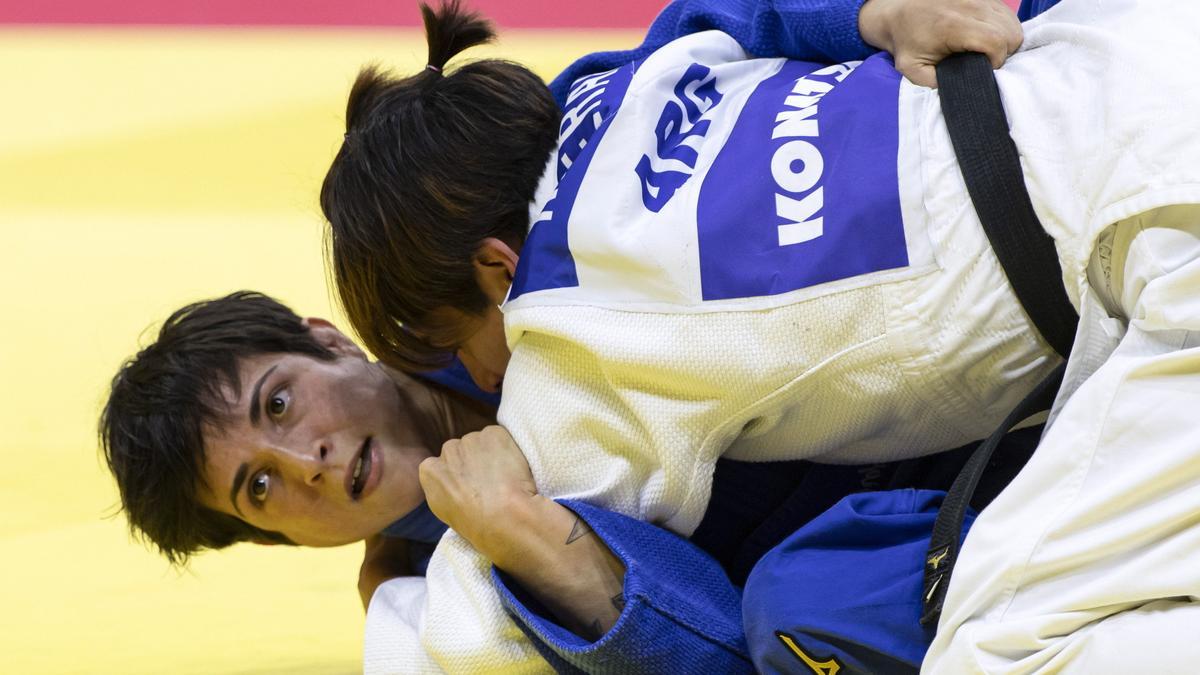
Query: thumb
point(921, 74)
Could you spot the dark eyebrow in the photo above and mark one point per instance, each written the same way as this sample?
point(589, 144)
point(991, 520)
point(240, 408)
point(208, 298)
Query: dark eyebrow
point(255, 409)
point(238, 478)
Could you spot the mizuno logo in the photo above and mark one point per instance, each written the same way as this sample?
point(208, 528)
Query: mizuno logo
point(829, 666)
point(933, 589)
point(935, 561)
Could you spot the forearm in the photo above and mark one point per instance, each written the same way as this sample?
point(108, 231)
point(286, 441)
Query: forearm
point(554, 555)
point(629, 597)
point(680, 613)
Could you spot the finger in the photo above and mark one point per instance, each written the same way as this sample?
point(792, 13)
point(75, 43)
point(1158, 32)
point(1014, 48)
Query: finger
point(494, 434)
point(1014, 36)
point(469, 443)
point(924, 75)
point(450, 448)
point(985, 38)
point(919, 72)
point(428, 473)
point(1006, 20)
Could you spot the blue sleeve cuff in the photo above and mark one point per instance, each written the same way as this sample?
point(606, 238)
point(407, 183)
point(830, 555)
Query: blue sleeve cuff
point(681, 613)
point(808, 30)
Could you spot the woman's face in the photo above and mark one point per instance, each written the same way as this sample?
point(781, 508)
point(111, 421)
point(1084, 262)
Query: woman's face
point(324, 452)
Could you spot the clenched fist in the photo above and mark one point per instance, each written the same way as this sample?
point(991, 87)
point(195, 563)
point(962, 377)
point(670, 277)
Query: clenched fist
point(482, 488)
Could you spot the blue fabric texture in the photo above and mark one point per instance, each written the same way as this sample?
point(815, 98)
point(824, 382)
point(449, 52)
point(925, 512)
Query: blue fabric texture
point(681, 613)
point(418, 525)
point(810, 30)
point(845, 589)
point(1031, 8)
point(456, 378)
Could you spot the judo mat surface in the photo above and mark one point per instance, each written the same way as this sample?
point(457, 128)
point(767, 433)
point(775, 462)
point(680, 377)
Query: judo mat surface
point(141, 169)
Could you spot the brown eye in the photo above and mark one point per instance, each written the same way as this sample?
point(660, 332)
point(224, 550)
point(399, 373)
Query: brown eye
point(278, 403)
point(258, 486)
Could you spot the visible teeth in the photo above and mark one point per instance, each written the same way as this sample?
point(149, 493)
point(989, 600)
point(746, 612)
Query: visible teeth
point(358, 468)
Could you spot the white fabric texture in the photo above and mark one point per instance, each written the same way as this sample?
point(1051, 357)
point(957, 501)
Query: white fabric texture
point(1087, 562)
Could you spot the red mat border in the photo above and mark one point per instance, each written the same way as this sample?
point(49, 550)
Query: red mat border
point(506, 13)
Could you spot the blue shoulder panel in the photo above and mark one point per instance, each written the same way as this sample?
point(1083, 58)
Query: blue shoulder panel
point(546, 260)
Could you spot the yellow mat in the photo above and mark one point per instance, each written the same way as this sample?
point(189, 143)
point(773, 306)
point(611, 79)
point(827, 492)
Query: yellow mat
point(139, 170)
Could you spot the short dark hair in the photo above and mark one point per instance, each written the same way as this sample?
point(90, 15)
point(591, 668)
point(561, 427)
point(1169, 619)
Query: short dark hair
point(163, 400)
point(431, 165)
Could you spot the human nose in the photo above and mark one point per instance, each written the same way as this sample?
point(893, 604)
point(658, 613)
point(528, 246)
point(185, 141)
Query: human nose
point(481, 375)
point(306, 465)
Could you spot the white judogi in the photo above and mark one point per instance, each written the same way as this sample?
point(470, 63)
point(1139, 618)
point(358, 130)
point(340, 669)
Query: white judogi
point(1087, 562)
point(735, 257)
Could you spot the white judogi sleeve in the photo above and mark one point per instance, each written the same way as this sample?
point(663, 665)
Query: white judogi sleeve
point(449, 621)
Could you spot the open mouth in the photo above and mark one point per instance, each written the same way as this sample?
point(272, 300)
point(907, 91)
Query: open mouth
point(362, 469)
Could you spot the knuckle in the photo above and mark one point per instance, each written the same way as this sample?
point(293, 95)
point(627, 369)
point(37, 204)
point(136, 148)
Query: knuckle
point(428, 466)
point(494, 433)
point(1015, 37)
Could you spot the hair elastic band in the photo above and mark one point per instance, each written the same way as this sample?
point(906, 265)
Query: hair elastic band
point(430, 66)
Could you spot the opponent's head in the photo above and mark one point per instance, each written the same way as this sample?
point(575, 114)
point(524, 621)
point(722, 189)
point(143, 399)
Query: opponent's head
point(434, 177)
point(244, 422)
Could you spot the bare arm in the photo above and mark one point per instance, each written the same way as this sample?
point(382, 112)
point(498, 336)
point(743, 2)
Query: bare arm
point(482, 488)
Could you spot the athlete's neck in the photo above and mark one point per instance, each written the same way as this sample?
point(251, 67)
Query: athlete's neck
point(440, 413)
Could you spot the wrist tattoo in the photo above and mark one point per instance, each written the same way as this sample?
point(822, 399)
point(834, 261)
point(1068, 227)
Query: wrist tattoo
point(579, 530)
point(618, 601)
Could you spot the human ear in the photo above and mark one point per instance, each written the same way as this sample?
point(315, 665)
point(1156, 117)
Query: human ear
point(495, 264)
point(328, 336)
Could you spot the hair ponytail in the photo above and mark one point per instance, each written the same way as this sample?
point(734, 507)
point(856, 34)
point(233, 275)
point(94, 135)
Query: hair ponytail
point(450, 30)
point(430, 167)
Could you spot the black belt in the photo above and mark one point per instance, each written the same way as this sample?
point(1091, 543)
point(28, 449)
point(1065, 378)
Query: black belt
point(991, 169)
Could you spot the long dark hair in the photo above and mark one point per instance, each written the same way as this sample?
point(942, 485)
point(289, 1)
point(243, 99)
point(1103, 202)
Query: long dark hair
point(431, 165)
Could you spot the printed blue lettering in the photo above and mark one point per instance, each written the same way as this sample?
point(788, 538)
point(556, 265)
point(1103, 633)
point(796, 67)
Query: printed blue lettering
point(546, 259)
point(582, 116)
point(658, 186)
point(678, 125)
point(697, 92)
point(672, 133)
